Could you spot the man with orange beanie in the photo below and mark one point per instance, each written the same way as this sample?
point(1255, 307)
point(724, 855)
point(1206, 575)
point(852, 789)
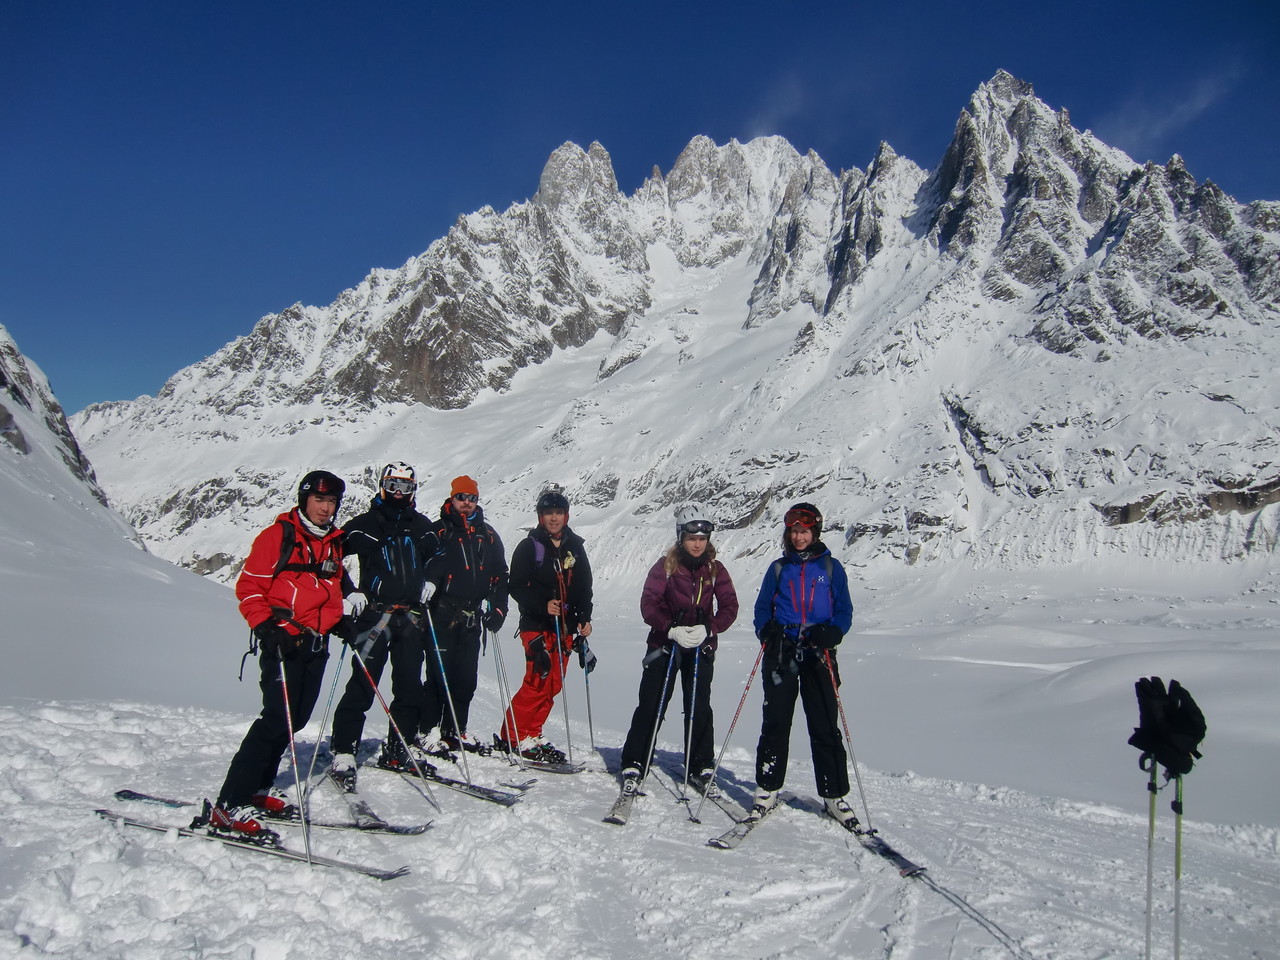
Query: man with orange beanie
point(471, 597)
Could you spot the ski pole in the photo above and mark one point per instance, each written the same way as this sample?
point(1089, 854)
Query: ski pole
point(725, 746)
point(448, 697)
point(688, 737)
point(657, 720)
point(835, 689)
point(372, 636)
point(564, 693)
point(293, 749)
point(1177, 871)
point(586, 683)
point(1151, 848)
point(504, 690)
point(396, 728)
point(333, 688)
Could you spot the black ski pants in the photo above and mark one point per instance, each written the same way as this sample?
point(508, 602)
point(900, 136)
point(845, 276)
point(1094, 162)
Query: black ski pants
point(402, 643)
point(457, 638)
point(807, 677)
point(254, 767)
point(652, 708)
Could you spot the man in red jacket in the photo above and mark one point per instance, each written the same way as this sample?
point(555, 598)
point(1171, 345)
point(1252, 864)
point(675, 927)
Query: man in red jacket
point(291, 594)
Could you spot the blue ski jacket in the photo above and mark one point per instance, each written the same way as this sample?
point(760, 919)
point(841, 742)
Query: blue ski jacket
point(800, 590)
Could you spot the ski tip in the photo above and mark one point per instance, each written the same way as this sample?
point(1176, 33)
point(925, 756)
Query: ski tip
point(393, 874)
point(718, 844)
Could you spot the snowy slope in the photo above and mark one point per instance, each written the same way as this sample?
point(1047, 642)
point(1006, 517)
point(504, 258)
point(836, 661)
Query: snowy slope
point(88, 612)
point(1010, 873)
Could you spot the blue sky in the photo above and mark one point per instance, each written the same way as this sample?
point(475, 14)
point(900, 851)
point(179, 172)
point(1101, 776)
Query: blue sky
point(173, 171)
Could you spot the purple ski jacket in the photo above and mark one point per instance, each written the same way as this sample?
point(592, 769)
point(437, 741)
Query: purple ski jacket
point(677, 595)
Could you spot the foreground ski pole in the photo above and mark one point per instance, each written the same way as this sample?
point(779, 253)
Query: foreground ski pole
point(448, 697)
point(1151, 851)
point(1170, 728)
point(293, 750)
point(835, 689)
point(737, 713)
point(1177, 871)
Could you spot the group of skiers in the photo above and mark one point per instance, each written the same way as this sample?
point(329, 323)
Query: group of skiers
point(429, 591)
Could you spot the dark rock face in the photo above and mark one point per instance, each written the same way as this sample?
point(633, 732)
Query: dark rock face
point(19, 385)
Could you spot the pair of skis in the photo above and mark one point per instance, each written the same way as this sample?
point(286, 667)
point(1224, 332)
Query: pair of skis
point(620, 812)
point(869, 839)
point(364, 820)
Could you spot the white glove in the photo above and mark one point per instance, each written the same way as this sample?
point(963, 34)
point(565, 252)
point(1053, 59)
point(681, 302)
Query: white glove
point(353, 604)
point(688, 637)
point(428, 591)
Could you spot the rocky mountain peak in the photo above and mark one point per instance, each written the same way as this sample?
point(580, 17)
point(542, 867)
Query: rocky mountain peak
point(23, 387)
point(1015, 357)
point(573, 177)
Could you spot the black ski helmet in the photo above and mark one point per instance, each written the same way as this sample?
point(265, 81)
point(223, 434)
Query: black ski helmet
point(552, 498)
point(320, 483)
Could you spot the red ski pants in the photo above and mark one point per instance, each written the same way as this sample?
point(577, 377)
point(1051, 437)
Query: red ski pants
point(532, 703)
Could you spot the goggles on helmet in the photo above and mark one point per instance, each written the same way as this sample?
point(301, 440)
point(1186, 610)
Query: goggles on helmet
point(698, 527)
point(798, 516)
point(399, 485)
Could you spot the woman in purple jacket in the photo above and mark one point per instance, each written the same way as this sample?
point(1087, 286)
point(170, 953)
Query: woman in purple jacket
point(688, 601)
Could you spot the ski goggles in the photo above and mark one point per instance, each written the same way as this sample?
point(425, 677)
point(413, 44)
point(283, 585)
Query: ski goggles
point(803, 518)
point(698, 527)
point(399, 485)
point(466, 497)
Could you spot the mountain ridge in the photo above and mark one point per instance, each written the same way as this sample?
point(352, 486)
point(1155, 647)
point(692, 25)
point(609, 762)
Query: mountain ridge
point(1039, 342)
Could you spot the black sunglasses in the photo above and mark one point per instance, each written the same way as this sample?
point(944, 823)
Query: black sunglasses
point(467, 497)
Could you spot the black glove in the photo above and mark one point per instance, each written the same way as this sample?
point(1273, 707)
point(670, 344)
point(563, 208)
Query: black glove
point(275, 641)
point(493, 620)
point(1170, 726)
point(538, 656)
point(825, 635)
point(771, 632)
point(586, 659)
point(346, 630)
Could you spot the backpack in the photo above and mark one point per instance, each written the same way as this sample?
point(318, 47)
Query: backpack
point(287, 541)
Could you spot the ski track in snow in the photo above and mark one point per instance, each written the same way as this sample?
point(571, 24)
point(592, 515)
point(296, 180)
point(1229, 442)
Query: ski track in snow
point(1009, 874)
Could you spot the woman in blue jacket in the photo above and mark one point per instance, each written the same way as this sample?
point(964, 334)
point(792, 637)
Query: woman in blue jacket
point(802, 612)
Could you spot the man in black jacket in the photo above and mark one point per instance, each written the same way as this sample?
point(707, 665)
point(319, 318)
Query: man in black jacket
point(551, 581)
point(396, 545)
point(470, 597)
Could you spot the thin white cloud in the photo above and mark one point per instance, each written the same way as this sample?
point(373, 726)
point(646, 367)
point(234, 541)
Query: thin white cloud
point(783, 102)
point(1143, 125)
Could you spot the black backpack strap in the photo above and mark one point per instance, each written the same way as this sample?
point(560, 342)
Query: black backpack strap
point(287, 543)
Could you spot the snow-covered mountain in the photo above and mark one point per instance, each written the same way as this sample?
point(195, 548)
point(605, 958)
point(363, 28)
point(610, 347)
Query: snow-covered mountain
point(1039, 352)
point(88, 612)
